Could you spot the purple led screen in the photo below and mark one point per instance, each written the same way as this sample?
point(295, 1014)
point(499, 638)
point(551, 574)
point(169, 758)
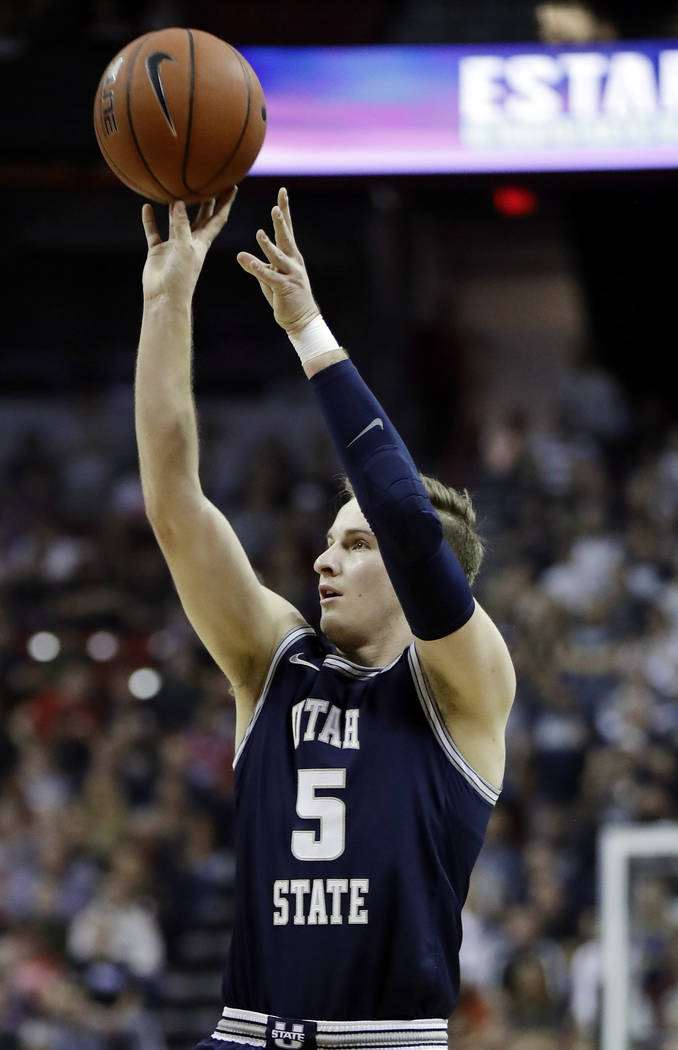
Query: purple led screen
point(432, 109)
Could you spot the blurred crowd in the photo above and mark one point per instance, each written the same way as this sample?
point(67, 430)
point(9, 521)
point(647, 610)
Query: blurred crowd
point(116, 737)
point(583, 517)
point(42, 22)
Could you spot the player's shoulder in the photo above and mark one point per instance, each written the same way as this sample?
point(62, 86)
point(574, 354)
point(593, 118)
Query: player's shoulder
point(304, 637)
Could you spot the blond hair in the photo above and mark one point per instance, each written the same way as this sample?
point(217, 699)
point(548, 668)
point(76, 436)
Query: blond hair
point(457, 517)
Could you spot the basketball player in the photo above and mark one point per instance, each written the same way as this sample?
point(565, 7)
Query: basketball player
point(369, 757)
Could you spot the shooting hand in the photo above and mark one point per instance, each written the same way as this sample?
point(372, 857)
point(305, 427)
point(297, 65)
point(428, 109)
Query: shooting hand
point(173, 266)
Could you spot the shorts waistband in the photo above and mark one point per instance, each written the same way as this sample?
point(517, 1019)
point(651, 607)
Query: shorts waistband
point(288, 1033)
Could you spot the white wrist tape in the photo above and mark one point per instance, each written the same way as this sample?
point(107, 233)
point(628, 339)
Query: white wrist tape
point(313, 340)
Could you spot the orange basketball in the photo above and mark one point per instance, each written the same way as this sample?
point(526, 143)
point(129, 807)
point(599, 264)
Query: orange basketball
point(179, 115)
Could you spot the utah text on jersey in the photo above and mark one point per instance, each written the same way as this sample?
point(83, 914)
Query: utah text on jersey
point(329, 731)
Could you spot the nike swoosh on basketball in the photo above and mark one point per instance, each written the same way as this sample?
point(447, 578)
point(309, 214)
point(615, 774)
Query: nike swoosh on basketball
point(152, 64)
point(370, 426)
point(297, 658)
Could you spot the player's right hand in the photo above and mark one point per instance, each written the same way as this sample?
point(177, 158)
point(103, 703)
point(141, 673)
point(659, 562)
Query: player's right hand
point(283, 279)
point(173, 266)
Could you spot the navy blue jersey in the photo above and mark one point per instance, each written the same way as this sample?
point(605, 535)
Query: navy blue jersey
point(358, 824)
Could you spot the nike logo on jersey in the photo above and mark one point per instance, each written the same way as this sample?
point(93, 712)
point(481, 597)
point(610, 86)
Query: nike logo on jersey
point(153, 73)
point(370, 426)
point(298, 659)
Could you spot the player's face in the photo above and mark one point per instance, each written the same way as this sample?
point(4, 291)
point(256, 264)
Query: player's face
point(357, 600)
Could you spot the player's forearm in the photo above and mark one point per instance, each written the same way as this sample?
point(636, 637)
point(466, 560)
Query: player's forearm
point(427, 577)
point(166, 428)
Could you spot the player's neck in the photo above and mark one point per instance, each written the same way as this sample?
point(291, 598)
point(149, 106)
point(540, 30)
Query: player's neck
point(381, 650)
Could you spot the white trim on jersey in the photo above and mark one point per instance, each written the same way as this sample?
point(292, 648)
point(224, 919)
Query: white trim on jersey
point(341, 663)
point(488, 792)
point(286, 641)
point(424, 1033)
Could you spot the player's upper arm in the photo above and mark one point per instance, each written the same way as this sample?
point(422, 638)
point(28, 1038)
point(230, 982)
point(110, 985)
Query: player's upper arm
point(239, 621)
point(472, 673)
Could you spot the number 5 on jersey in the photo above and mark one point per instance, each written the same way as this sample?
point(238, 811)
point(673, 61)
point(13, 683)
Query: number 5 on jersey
point(330, 811)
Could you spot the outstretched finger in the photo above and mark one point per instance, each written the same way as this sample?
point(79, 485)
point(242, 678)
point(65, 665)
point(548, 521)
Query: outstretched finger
point(215, 222)
point(261, 270)
point(150, 227)
point(254, 266)
point(284, 205)
point(283, 235)
point(275, 256)
point(205, 213)
point(179, 225)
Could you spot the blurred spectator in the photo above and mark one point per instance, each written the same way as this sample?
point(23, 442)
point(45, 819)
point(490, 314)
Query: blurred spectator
point(586, 980)
point(116, 933)
point(565, 22)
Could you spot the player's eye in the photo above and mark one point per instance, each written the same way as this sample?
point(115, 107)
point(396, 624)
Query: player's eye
point(359, 544)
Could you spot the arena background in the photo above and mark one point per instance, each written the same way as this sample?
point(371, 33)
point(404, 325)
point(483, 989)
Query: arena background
point(528, 357)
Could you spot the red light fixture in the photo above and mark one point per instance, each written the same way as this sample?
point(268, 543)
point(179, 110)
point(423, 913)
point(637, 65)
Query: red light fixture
point(514, 201)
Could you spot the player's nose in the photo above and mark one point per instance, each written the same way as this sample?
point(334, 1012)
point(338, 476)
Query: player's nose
point(327, 563)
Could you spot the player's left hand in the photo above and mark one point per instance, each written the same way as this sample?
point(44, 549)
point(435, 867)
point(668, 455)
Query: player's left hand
point(283, 279)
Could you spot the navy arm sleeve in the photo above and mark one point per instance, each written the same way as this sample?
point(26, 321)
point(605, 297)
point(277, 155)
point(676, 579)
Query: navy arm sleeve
point(426, 575)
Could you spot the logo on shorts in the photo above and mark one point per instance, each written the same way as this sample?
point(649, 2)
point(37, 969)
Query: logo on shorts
point(290, 1035)
point(293, 1038)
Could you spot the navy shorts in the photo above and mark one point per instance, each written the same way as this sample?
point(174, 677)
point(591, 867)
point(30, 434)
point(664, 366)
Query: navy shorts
point(220, 1044)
